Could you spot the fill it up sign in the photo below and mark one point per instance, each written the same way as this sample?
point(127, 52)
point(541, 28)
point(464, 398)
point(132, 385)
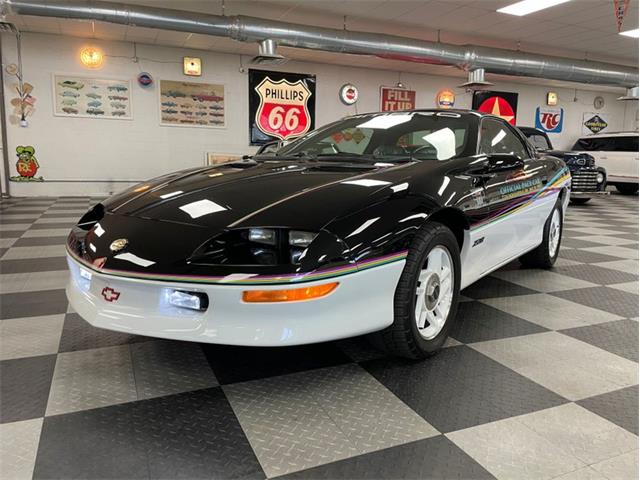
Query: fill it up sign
point(394, 99)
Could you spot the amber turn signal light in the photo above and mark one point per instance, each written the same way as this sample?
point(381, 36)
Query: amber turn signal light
point(289, 295)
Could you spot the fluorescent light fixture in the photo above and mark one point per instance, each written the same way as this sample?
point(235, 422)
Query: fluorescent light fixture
point(201, 207)
point(384, 122)
point(525, 7)
point(172, 194)
point(366, 182)
point(631, 33)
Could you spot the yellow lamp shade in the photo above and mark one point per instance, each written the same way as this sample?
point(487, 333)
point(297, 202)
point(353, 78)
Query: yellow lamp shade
point(91, 57)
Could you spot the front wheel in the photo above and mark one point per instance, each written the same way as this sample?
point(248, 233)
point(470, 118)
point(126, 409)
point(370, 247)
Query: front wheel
point(627, 188)
point(545, 255)
point(426, 298)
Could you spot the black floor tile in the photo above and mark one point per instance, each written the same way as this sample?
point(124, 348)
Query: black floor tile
point(77, 334)
point(239, 364)
point(11, 233)
point(596, 274)
point(619, 337)
point(27, 265)
point(477, 322)
point(435, 457)
point(39, 241)
point(33, 304)
point(568, 242)
point(189, 435)
point(619, 407)
point(608, 299)
point(24, 387)
point(491, 287)
point(461, 388)
point(584, 256)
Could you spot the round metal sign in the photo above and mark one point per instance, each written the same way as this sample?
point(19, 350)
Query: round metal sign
point(348, 94)
point(145, 79)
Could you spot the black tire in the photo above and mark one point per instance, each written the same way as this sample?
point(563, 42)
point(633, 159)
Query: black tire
point(540, 256)
point(627, 188)
point(402, 338)
point(579, 201)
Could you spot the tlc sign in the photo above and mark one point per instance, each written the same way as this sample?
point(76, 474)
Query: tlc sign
point(549, 119)
point(394, 99)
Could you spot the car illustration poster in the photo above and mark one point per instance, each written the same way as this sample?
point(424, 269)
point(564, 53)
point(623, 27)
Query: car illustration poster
point(501, 104)
point(76, 96)
point(281, 105)
point(189, 104)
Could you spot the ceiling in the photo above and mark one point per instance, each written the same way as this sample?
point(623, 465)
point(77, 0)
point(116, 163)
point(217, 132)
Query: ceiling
point(578, 28)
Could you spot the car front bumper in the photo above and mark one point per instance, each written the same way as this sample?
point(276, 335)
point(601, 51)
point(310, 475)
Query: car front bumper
point(362, 303)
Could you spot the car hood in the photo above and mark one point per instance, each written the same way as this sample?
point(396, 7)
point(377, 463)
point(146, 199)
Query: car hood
point(305, 195)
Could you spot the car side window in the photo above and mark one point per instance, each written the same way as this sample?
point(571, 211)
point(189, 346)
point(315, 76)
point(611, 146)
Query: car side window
point(496, 137)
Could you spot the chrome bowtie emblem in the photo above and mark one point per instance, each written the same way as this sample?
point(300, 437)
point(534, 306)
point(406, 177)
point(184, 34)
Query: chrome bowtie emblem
point(118, 244)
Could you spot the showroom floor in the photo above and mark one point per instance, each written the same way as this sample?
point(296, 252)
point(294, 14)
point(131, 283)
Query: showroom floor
point(539, 380)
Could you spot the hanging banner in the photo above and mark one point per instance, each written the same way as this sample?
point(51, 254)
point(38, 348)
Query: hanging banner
point(282, 105)
point(620, 10)
point(594, 123)
point(549, 119)
point(394, 99)
point(501, 104)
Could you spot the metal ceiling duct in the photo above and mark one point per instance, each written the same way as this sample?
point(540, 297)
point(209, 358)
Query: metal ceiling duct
point(250, 29)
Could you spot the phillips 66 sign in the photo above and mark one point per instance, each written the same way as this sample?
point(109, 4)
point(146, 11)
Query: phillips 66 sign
point(281, 105)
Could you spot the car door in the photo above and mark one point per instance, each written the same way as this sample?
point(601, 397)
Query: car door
point(620, 159)
point(509, 223)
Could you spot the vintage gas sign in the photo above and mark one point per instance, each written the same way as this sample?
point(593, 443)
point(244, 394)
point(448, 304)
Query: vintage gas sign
point(549, 119)
point(501, 104)
point(394, 99)
point(282, 105)
point(593, 123)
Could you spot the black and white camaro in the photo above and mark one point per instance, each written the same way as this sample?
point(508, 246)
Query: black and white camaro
point(370, 224)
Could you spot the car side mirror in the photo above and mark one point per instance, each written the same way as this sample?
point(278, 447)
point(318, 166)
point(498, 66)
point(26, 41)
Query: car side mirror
point(503, 161)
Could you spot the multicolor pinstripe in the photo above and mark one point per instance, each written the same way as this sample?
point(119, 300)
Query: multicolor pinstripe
point(520, 203)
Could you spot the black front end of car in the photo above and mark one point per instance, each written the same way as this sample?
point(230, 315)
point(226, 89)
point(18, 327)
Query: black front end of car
point(586, 178)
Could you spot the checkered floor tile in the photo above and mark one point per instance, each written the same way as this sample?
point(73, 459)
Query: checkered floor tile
point(538, 380)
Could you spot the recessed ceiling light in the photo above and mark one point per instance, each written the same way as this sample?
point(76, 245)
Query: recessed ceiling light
point(525, 7)
point(631, 33)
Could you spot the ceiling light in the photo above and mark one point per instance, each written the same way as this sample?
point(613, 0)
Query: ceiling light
point(631, 33)
point(525, 7)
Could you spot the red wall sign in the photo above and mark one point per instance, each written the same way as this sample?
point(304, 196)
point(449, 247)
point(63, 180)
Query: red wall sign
point(393, 99)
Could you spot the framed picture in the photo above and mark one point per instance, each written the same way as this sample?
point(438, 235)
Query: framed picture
point(87, 97)
point(188, 104)
point(215, 158)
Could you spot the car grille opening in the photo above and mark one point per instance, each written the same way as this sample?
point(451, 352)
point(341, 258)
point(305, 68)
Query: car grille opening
point(584, 180)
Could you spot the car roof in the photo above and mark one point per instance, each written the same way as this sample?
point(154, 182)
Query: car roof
point(460, 111)
point(530, 130)
point(611, 134)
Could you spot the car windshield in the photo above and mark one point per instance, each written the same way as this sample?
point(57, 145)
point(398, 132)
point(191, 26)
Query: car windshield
point(539, 141)
point(389, 137)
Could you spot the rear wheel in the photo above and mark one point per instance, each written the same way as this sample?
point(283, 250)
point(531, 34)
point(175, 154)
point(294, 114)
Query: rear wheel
point(579, 201)
point(545, 255)
point(627, 188)
point(426, 298)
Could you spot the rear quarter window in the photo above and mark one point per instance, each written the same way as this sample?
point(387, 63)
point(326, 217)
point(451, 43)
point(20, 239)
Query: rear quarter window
point(608, 144)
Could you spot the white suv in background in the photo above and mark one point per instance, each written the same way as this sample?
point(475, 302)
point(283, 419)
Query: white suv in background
point(618, 154)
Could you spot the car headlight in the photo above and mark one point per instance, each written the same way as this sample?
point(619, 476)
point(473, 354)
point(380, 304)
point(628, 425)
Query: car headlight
point(301, 239)
point(262, 235)
point(600, 177)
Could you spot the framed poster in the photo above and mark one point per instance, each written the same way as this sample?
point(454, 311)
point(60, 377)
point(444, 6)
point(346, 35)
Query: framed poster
point(395, 99)
point(188, 104)
point(501, 104)
point(77, 96)
point(282, 106)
